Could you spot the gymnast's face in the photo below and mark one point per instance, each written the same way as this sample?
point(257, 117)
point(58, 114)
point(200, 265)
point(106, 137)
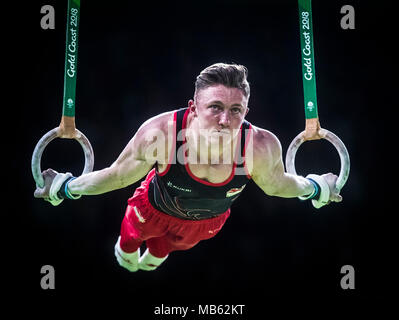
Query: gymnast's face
point(219, 110)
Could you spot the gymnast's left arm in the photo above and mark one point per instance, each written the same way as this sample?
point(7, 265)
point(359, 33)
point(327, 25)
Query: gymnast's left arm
point(269, 174)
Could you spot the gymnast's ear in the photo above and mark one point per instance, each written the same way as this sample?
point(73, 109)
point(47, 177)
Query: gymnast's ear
point(192, 107)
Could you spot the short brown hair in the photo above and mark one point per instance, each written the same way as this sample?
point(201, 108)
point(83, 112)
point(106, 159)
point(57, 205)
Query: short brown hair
point(229, 75)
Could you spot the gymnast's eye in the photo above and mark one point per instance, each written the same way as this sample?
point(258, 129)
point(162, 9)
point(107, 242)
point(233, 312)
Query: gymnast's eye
point(236, 110)
point(215, 107)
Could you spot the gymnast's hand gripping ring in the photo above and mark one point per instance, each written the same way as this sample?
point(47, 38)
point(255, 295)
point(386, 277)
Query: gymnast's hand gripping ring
point(46, 139)
point(338, 144)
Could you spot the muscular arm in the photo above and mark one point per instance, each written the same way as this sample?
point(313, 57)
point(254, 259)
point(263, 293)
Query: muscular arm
point(268, 168)
point(132, 164)
point(126, 170)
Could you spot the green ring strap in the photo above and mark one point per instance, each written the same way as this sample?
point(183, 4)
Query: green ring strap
point(312, 129)
point(307, 61)
point(67, 126)
point(71, 58)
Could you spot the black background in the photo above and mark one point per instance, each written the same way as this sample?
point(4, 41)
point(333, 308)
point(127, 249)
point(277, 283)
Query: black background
point(137, 60)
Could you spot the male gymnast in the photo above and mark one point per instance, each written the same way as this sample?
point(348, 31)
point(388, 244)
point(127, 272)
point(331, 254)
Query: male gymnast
point(197, 161)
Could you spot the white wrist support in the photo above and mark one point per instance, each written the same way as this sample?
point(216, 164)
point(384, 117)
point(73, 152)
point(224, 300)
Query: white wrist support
point(324, 191)
point(315, 191)
point(55, 187)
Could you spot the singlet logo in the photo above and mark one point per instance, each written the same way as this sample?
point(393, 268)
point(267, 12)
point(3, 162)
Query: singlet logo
point(234, 191)
point(171, 185)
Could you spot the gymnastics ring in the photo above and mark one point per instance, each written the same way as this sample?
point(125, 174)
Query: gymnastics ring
point(46, 139)
point(338, 144)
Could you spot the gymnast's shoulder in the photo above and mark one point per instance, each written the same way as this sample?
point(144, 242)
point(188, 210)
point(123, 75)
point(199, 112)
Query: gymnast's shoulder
point(263, 148)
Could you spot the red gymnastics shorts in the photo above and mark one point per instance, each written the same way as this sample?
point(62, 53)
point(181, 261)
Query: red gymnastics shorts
point(161, 232)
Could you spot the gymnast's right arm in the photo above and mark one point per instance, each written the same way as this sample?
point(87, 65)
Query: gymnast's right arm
point(131, 165)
